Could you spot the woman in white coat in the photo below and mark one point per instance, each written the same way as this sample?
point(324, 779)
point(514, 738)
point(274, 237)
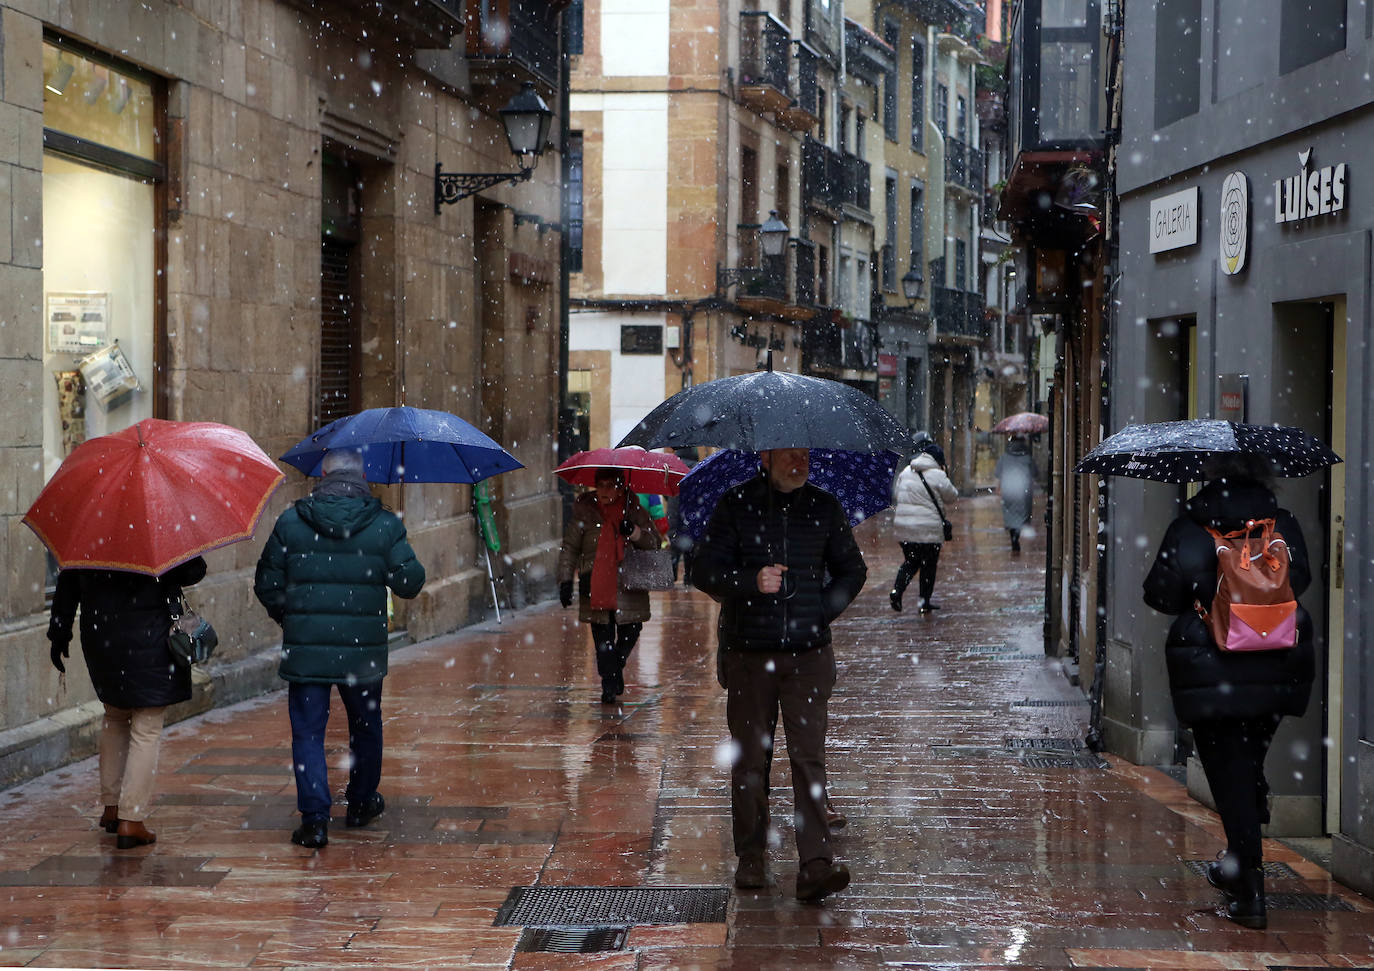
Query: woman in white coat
point(921, 495)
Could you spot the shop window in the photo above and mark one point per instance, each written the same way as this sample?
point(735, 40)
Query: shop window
point(340, 390)
point(101, 236)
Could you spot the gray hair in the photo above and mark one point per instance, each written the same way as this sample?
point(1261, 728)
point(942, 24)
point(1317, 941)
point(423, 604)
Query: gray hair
point(342, 460)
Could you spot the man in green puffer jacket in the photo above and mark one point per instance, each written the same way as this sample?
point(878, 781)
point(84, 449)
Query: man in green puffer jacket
point(323, 576)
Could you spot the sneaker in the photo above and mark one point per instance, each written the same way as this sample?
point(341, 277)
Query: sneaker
point(895, 599)
point(312, 835)
point(752, 873)
point(365, 813)
point(819, 878)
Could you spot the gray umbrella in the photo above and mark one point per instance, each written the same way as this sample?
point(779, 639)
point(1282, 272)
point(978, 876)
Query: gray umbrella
point(771, 409)
point(1176, 451)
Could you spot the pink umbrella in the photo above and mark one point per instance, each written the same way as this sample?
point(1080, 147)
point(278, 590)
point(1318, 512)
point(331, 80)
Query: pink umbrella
point(656, 473)
point(1022, 423)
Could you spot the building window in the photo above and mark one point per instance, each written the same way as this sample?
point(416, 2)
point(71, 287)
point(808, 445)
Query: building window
point(961, 118)
point(843, 134)
point(890, 34)
point(572, 27)
point(889, 270)
point(821, 125)
point(941, 108)
point(859, 126)
point(573, 160)
point(918, 94)
point(782, 192)
point(1308, 31)
point(918, 227)
point(102, 160)
point(822, 276)
point(960, 264)
point(1178, 59)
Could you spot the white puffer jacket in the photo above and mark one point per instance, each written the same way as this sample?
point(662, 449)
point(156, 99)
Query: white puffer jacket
point(916, 519)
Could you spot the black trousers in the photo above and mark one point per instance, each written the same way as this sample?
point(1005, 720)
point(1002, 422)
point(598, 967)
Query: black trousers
point(1232, 752)
point(614, 642)
point(922, 559)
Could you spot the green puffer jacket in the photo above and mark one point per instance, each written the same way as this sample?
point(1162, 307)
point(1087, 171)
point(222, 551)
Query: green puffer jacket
point(323, 576)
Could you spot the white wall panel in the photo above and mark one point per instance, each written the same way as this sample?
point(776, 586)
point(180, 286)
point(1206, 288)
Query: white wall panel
point(634, 180)
point(634, 38)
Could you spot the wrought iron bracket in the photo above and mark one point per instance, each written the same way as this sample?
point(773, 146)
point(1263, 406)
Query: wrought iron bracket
point(452, 187)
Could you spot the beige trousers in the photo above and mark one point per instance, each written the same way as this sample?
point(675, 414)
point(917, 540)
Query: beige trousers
point(129, 741)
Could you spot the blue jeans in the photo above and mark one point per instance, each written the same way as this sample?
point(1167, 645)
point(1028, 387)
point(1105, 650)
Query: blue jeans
point(308, 706)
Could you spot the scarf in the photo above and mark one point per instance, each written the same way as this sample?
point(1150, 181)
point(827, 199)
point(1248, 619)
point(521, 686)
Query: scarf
point(610, 550)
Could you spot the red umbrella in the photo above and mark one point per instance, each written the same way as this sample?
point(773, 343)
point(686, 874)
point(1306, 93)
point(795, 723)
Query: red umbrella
point(1022, 423)
point(657, 473)
point(153, 495)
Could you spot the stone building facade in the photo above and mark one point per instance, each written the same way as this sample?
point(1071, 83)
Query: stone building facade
point(246, 190)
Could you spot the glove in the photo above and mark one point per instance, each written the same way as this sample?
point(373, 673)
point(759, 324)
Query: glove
point(627, 528)
point(565, 593)
point(57, 652)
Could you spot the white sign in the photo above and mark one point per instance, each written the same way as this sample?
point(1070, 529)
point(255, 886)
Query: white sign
point(1235, 222)
point(1312, 192)
point(1173, 220)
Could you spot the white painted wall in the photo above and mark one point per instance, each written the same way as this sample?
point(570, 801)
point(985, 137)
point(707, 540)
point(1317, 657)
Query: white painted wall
point(634, 192)
point(634, 38)
point(637, 383)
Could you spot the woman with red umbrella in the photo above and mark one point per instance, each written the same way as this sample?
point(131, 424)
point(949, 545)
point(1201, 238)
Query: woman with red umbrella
point(603, 523)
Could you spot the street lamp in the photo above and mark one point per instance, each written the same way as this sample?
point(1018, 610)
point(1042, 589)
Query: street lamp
point(911, 284)
point(526, 119)
point(773, 234)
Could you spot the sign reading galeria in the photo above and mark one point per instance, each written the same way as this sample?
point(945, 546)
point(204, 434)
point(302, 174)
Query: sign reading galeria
point(1173, 220)
point(1312, 192)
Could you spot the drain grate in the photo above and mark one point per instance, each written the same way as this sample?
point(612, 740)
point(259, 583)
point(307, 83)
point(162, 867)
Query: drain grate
point(601, 906)
point(1306, 901)
point(994, 649)
point(1044, 742)
point(572, 940)
point(1051, 703)
point(1064, 762)
point(1274, 871)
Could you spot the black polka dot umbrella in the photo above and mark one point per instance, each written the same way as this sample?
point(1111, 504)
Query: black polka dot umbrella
point(1179, 451)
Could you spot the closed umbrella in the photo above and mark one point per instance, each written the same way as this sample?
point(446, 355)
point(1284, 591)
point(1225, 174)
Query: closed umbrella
point(152, 496)
point(1177, 451)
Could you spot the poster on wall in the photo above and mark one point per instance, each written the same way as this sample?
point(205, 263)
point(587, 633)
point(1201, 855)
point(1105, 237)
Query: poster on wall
point(110, 379)
point(78, 322)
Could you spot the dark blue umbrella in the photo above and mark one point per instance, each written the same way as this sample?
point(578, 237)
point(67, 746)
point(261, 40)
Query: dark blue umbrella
point(862, 481)
point(405, 444)
point(1178, 451)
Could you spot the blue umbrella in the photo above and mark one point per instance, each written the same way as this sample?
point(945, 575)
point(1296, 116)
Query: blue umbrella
point(862, 481)
point(405, 444)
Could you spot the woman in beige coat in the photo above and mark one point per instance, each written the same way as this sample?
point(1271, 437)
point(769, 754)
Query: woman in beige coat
point(603, 524)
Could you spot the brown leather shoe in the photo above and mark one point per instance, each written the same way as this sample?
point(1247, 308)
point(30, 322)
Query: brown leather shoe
point(820, 878)
point(752, 873)
point(833, 818)
point(133, 833)
point(109, 819)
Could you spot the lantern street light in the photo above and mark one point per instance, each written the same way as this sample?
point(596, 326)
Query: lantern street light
point(911, 284)
point(527, 120)
point(773, 235)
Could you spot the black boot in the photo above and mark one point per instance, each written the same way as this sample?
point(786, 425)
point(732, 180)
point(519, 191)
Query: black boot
point(1015, 540)
point(1245, 903)
point(895, 598)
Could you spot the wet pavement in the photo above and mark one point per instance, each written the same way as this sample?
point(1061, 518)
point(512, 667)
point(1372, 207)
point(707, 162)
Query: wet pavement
point(980, 835)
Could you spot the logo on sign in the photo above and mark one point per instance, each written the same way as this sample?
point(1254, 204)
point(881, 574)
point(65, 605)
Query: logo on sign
point(1235, 222)
point(1312, 192)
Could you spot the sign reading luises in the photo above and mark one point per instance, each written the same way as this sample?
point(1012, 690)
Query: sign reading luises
point(1312, 192)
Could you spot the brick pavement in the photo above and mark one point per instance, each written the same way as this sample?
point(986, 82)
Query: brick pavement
point(975, 840)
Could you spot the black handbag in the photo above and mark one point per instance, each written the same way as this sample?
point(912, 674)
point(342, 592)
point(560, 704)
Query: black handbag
point(191, 639)
point(647, 569)
point(948, 526)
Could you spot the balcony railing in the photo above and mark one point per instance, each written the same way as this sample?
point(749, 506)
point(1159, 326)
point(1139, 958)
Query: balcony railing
point(804, 273)
point(964, 165)
point(958, 313)
point(831, 346)
point(808, 89)
point(763, 44)
point(522, 34)
point(831, 179)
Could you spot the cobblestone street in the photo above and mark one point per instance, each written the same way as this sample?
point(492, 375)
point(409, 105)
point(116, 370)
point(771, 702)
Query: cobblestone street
point(980, 834)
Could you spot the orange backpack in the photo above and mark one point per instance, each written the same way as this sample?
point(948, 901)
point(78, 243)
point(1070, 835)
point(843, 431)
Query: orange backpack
point(1254, 608)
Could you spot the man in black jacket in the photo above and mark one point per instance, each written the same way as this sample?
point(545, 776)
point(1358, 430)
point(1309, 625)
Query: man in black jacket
point(780, 557)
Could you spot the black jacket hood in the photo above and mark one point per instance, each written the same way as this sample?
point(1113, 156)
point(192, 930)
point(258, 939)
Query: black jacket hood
point(1225, 504)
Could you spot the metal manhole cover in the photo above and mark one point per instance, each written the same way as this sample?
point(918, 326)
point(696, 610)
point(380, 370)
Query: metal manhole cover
point(602, 906)
point(1064, 762)
point(1045, 742)
point(1306, 901)
point(1274, 871)
point(572, 940)
point(1051, 703)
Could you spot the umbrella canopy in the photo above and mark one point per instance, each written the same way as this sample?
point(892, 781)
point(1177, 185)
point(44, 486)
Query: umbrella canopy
point(1022, 423)
point(405, 444)
point(656, 473)
point(152, 496)
point(771, 409)
point(862, 481)
point(1175, 451)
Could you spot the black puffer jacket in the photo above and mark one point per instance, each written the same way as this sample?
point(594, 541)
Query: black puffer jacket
point(124, 623)
point(1205, 681)
point(806, 531)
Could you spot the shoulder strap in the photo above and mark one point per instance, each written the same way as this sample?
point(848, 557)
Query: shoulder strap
point(930, 492)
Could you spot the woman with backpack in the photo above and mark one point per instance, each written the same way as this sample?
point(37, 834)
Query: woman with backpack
point(920, 496)
point(1233, 699)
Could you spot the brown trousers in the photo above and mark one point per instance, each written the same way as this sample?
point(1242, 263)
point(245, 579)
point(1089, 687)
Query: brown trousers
point(757, 685)
point(129, 743)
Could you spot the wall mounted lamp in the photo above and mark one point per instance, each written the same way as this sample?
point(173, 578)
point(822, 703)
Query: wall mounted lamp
point(911, 284)
point(526, 119)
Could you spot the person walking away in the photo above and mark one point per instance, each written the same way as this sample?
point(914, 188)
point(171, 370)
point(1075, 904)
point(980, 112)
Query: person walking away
point(918, 523)
point(779, 556)
point(603, 523)
point(323, 575)
point(1233, 701)
point(125, 618)
point(1016, 482)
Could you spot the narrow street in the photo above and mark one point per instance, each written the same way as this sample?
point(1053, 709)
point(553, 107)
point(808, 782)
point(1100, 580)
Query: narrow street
point(979, 835)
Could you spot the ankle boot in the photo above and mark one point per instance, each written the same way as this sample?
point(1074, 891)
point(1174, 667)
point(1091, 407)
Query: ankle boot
point(131, 833)
point(109, 819)
point(1245, 903)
